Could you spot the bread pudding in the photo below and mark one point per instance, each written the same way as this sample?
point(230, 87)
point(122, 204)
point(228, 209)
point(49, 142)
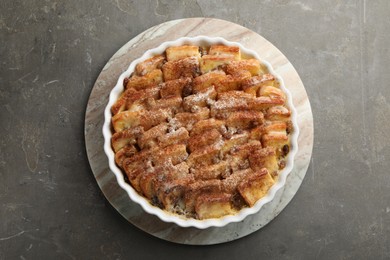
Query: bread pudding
point(201, 131)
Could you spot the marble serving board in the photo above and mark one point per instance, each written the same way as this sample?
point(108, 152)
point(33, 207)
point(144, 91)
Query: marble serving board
point(99, 98)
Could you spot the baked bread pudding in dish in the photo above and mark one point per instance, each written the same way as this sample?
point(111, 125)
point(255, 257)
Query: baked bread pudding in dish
point(201, 131)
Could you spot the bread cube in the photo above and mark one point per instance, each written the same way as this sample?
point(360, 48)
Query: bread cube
point(174, 87)
point(214, 171)
point(244, 150)
point(203, 139)
point(255, 186)
point(207, 80)
point(233, 141)
point(278, 113)
point(213, 205)
point(125, 120)
point(253, 84)
point(203, 156)
point(149, 138)
point(181, 52)
point(225, 50)
point(148, 80)
point(187, 67)
point(171, 102)
point(149, 65)
point(207, 124)
point(275, 135)
point(198, 187)
point(213, 62)
point(272, 92)
point(125, 152)
point(251, 65)
point(187, 119)
point(264, 158)
point(125, 137)
point(152, 118)
point(244, 119)
point(200, 99)
point(176, 137)
point(175, 153)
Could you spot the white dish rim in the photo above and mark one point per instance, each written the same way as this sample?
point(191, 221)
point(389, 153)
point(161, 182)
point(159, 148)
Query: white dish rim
point(165, 215)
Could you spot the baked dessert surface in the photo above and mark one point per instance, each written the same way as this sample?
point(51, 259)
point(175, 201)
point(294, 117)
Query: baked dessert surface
point(201, 132)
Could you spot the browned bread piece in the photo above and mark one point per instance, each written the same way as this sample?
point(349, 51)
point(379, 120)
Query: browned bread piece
point(134, 166)
point(232, 82)
point(171, 194)
point(175, 153)
point(214, 205)
point(208, 124)
point(272, 92)
point(174, 137)
point(174, 87)
point(256, 132)
point(149, 65)
point(235, 140)
point(255, 186)
point(146, 183)
point(207, 80)
point(149, 138)
point(226, 50)
point(148, 80)
point(194, 189)
point(264, 158)
point(244, 119)
point(204, 156)
point(142, 99)
point(120, 104)
point(244, 150)
point(128, 136)
point(213, 62)
point(133, 100)
point(251, 65)
point(278, 113)
point(238, 100)
point(187, 67)
point(230, 184)
point(155, 179)
point(275, 135)
point(204, 139)
point(238, 156)
point(187, 119)
point(201, 99)
point(125, 152)
point(209, 172)
point(172, 102)
point(181, 52)
point(253, 84)
point(146, 119)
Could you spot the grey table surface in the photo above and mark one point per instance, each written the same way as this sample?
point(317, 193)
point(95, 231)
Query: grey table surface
point(51, 52)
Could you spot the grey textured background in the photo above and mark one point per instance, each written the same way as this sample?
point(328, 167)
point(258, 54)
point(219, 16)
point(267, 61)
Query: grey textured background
point(51, 52)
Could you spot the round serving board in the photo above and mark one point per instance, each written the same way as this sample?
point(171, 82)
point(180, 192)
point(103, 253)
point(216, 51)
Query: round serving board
point(99, 98)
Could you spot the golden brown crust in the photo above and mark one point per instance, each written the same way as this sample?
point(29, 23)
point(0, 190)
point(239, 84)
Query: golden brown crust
point(149, 80)
point(187, 67)
point(149, 65)
point(255, 186)
point(181, 52)
point(201, 135)
point(174, 87)
point(213, 205)
point(225, 50)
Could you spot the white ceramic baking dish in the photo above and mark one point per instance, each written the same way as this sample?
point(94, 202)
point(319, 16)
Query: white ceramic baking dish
point(165, 215)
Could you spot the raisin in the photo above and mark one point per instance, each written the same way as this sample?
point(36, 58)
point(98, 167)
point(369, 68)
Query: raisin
point(286, 149)
point(125, 81)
